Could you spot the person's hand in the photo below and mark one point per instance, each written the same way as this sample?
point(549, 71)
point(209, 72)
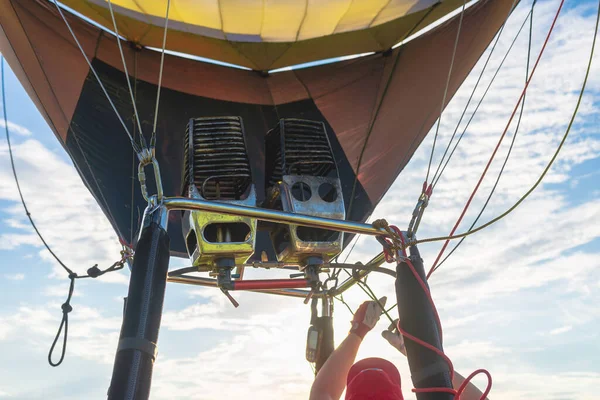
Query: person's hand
point(366, 317)
point(394, 337)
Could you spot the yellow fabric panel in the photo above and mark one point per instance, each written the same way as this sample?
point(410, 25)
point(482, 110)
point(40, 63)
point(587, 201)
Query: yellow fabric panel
point(359, 15)
point(242, 17)
point(246, 48)
point(277, 29)
point(322, 17)
point(197, 12)
point(401, 7)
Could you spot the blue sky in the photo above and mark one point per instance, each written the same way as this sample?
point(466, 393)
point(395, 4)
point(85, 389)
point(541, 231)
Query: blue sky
point(520, 298)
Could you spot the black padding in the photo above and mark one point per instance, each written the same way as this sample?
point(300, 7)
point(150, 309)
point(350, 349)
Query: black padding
point(417, 318)
point(132, 373)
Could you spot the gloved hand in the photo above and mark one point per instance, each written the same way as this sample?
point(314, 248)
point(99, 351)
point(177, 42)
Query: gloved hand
point(394, 337)
point(366, 317)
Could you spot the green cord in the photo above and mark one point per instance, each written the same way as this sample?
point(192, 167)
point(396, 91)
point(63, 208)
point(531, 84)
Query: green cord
point(536, 184)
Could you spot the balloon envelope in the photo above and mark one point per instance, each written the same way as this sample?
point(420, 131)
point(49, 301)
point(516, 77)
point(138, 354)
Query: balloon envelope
point(377, 108)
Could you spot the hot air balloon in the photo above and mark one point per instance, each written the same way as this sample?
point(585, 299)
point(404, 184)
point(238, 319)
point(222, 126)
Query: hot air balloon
point(261, 152)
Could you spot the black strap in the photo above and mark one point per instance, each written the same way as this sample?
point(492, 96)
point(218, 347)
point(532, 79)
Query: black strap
point(133, 343)
point(430, 370)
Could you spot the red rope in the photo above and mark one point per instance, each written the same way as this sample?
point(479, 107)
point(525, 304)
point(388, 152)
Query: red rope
point(499, 142)
point(461, 389)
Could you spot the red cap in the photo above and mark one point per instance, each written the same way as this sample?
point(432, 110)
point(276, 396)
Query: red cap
point(373, 378)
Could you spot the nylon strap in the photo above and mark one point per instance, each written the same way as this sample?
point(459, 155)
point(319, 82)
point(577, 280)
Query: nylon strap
point(133, 343)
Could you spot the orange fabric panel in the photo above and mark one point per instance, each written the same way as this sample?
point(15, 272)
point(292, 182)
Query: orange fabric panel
point(52, 73)
point(411, 105)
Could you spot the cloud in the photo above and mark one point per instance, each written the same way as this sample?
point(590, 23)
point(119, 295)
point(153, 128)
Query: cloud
point(15, 277)
point(562, 329)
point(15, 128)
point(79, 234)
point(534, 271)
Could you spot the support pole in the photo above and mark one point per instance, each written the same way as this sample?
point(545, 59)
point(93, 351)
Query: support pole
point(134, 361)
point(428, 370)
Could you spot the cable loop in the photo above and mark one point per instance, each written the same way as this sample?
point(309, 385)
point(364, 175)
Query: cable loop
point(64, 324)
point(394, 245)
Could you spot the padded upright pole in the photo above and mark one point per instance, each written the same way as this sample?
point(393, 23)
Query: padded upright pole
point(132, 372)
point(428, 370)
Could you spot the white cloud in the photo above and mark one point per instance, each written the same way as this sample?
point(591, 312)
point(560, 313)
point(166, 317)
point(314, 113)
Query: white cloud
point(15, 128)
point(562, 329)
point(532, 272)
point(79, 234)
point(15, 277)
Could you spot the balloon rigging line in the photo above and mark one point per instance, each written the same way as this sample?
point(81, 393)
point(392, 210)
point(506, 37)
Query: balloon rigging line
point(439, 120)
point(474, 90)
point(530, 15)
point(70, 129)
point(14, 171)
point(460, 137)
point(547, 168)
point(160, 74)
point(133, 143)
point(137, 116)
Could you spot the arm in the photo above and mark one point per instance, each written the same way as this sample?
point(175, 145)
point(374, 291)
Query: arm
point(331, 379)
point(471, 392)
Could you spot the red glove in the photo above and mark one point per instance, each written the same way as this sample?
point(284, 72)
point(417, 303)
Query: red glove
point(366, 317)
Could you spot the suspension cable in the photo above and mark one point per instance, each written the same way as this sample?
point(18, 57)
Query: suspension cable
point(92, 272)
point(433, 179)
point(548, 166)
point(439, 120)
point(136, 148)
point(15, 176)
point(160, 74)
point(508, 154)
point(137, 116)
point(460, 137)
point(472, 196)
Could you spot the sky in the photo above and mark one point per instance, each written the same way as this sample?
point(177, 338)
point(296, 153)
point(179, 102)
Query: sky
point(519, 298)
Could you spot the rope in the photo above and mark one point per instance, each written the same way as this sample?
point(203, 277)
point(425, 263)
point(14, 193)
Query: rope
point(160, 74)
point(93, 272)
point(473, 91)
point(402, 257)
point(133, 143)
point(15, 176)
point(530, 16)
point(480, 102)
point(437, 129)
point(66, 309)
point(471, 197)
point(536, 184)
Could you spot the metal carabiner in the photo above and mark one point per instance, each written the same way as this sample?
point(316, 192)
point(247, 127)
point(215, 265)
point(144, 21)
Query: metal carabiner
point(146, 157)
